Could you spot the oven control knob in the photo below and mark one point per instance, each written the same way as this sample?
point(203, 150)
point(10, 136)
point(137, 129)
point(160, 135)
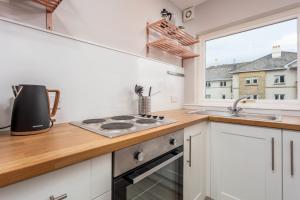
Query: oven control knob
point(139, 156)
point(173, 141)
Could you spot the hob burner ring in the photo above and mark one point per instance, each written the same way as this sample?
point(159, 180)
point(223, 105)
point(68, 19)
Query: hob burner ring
point(146, 121)
point(93, 121)
point(123, 117)
point(116, 125)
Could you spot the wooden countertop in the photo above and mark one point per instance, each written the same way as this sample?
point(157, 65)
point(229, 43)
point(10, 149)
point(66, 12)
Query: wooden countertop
point(23, 157)
point(287, 122)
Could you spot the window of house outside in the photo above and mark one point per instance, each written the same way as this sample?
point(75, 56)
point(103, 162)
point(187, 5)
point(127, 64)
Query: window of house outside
point(223, 83)
point(260, 63)
point(279, 96)
point(279, 79)
point(208, 84)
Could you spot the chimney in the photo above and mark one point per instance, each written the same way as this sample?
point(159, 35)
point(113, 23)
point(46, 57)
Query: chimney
point(276, 51)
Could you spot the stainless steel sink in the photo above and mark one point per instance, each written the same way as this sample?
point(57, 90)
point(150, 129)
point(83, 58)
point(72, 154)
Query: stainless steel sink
point(212, 112)
point(243, 115)
point(257, 116)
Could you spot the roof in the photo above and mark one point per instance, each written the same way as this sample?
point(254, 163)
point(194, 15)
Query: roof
point(222, 72)
point(267, 63)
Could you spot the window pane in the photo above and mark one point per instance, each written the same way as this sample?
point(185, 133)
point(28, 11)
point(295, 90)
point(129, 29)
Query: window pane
point(261, 63)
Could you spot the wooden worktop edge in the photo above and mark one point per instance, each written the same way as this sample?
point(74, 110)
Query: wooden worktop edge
point(20, 174)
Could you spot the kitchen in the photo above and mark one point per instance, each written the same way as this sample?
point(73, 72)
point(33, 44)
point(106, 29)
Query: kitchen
point(161, 99)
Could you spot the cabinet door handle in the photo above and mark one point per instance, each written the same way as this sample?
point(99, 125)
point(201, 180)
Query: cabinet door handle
point(190, 151)
point(61, 197)
point(273, 156)
point(292, 157)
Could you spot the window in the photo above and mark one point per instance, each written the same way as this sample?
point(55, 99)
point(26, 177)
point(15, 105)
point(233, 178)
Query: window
point(279, 79)
point(208, 84)
point(255, 81)
point(223, 96)
point(208, 96)
point(251, 81)
point(258, 57)
point(279, 96)
point(223, 83)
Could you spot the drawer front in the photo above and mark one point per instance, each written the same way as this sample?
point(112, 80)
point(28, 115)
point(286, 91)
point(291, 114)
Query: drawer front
point(74, 181)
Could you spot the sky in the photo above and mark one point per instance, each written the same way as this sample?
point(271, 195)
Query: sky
point(253, 44)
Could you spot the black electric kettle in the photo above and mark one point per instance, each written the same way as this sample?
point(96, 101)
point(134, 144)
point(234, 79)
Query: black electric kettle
point(31, 109)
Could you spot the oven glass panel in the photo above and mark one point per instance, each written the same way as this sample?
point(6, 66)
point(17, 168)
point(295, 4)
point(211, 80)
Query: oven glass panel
point(165, 184)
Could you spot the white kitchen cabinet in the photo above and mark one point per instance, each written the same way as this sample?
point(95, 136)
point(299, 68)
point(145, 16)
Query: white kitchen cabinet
point(101, 175)
point(246, 163)
point(83, 181)
point(291, 165)
point(194, 162)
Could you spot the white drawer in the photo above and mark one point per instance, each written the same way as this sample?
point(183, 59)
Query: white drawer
point(73, 181)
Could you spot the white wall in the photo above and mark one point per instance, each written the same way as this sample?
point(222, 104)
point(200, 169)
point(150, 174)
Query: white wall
point(116, 23)
point(214, 14)
point(94, 81)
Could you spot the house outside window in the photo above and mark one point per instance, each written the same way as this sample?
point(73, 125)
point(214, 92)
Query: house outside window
point(208, 84)
point(279, 96)
point(279, 79)
point(251, 64)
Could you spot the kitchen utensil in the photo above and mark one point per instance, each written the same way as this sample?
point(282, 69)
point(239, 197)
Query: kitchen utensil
point(139, 90)
point(31, 109)
point(144, 105)
point(150, 91)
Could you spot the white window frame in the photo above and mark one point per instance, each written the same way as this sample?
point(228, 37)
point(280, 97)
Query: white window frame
point(199, 65)
point(279, 83)
point(223, 84)
point(279, 97)
point(251, 79)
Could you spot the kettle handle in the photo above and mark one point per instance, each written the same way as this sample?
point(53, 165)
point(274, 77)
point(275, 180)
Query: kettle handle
point(55, 104)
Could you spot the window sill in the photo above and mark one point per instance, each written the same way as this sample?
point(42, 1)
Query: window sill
point(251, 84)
point(292, 105)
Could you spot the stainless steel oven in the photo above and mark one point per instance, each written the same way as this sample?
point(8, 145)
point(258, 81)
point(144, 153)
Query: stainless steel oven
point(152, 170)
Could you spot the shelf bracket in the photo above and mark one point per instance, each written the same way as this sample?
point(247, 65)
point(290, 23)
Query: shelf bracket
point(49, 20)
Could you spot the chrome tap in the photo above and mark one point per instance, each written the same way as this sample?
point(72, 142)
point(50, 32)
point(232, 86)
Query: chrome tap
point(235, 109)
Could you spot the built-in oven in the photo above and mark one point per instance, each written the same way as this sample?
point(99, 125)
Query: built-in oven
point(152, 170)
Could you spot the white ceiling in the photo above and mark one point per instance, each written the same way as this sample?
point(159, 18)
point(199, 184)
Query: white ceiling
point(187, 3)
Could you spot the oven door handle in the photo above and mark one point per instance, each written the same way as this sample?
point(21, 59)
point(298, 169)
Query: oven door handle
point(136, 177)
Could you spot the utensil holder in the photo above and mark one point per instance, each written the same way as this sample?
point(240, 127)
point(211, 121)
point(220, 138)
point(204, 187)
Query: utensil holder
point(144, 105)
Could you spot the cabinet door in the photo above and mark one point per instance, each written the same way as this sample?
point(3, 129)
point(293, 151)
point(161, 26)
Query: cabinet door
point(246, 163)
point(194, 162)
point(101, 175)
point(291, 165)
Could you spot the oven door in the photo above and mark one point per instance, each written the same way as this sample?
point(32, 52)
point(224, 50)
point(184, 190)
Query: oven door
point(161, 178)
